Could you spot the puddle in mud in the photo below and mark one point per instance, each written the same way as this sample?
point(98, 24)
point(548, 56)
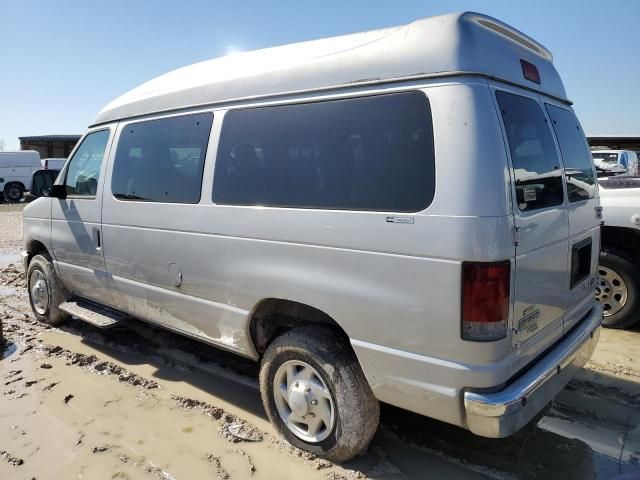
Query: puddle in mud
point(114, 431)
point(605, 418)
point(6, 291)
point(8, 258)
point(7, 350)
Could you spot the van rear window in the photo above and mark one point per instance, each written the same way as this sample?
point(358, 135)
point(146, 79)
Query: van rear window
point(578, 165)
point(534, 158)
point(369, 153)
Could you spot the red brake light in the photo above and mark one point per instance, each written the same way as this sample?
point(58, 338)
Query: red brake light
point(530, 71)
point(485, 300)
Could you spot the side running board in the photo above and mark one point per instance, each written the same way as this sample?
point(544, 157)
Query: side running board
point(97, 315)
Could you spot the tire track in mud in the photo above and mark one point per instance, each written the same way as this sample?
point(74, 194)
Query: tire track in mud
point(101, 367)
point(10, 459)
point(23, 332)
point(245, 431)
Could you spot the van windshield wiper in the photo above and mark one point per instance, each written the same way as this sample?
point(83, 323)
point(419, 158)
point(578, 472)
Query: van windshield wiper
point(126, 196)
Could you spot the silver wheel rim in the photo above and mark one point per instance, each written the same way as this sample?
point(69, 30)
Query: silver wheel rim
point(39, 292)
point(303, 401)
point(611, 291)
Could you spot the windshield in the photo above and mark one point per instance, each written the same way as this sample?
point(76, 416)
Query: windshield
point(605, 157)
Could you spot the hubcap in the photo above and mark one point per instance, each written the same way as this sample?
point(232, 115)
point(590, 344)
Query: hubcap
point(611, 291)
point(303, 401)
point(39, 292)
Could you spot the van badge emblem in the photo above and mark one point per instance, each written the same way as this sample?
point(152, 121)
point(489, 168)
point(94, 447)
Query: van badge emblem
point(529, 322)
point(400, 220)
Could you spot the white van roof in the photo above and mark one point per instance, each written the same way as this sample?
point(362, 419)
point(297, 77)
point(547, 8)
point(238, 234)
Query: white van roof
point(20, 158)
point(454, 44)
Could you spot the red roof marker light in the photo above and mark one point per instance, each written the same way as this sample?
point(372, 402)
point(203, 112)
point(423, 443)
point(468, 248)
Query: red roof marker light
point(530, 71)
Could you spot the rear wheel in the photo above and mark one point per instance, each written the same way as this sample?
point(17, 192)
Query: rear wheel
point(46, 291)
point(316, 395)
point(618, 290)
point(13, 193)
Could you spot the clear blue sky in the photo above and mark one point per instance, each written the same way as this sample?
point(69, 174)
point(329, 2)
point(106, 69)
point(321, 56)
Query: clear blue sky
point(62, 61)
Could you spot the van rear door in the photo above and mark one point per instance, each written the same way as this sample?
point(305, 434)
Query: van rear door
point(541, 221)
point(583, 210)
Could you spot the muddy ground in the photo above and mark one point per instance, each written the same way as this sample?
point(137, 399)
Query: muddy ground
point(138, 402)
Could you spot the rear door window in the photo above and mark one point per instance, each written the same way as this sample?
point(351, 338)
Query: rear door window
point(536, 166)
point(369, 153)
point(575, 154)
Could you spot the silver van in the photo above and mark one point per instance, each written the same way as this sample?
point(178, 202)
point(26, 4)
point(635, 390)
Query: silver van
point(408, 215)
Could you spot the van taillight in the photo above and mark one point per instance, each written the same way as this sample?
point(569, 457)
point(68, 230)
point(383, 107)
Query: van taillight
point(485, 300)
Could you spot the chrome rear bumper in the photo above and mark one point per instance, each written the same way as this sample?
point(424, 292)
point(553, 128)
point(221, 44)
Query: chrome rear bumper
point(501, 413)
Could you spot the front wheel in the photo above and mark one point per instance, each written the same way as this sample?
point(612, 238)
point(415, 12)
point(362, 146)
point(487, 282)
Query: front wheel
point(618, 290)
point(316, 395)
point(46, 291)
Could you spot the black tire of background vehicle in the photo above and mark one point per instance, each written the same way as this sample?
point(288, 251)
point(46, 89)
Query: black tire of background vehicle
point(58, 293)
point(630, 313)
point(13, 193)
point(357, 410)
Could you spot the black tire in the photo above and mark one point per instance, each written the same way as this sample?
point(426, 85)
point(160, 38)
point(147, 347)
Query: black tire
point(357, 411)
point(56, 291)
point(13, 193)
point(630, 313)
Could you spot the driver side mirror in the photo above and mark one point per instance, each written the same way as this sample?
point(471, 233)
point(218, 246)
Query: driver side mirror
point(42, 184)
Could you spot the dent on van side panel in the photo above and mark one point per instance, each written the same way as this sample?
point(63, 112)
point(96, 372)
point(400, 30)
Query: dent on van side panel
point(147, 248)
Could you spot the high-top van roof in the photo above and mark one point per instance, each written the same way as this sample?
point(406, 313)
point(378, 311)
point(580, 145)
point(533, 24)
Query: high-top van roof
point(455, 44)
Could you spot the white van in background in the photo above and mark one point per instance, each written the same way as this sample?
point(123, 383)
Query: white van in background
point(52, 163)
point(16, 169)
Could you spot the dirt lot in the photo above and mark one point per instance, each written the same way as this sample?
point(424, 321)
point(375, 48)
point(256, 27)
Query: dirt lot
point(139, 402)
point(10, 228)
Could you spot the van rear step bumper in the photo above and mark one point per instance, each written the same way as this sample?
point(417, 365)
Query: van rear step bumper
point(92, 313)
point(501, 413)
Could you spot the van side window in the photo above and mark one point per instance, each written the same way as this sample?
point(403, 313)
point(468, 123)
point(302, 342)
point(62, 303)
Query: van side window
point(575, 154)
point(83, 172)
point(162, 160)
point(534, 156)
point(369, 153)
